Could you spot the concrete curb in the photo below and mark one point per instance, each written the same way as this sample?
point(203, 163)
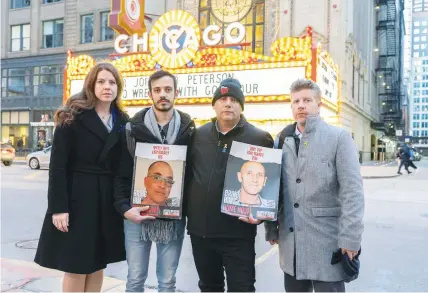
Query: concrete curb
point(381, 177)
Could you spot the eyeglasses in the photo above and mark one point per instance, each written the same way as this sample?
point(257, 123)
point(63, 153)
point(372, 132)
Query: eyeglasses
point(167, 181)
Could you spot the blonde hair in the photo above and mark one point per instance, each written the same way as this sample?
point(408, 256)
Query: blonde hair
point(306, 84)
point(86, 99)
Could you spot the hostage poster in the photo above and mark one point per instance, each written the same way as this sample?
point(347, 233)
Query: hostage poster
point(158, 179)
point(252, 182)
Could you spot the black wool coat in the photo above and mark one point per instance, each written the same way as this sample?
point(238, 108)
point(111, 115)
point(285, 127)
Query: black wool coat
point(84, 159)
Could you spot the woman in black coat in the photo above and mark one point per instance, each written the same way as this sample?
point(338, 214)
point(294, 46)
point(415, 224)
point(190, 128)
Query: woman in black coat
point(82, 232)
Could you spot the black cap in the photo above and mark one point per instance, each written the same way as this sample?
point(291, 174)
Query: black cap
point(232, 88)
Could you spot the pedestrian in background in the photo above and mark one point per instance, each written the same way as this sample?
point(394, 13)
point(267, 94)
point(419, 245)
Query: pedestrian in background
point(221, 243)
point(404, 155)
point(322, 198)
point(82, 232)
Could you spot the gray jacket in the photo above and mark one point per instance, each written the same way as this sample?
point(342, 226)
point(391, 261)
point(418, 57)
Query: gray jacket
point(322, 201)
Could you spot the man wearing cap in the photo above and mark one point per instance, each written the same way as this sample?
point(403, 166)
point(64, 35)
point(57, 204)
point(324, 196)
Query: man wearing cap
point(220, 243)
point(320, 223)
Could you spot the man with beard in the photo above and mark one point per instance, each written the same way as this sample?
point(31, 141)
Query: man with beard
point(321, 200)
point(159, 124)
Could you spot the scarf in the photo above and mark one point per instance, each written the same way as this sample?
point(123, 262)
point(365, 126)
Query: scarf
point(152, 124)
point(161, 231)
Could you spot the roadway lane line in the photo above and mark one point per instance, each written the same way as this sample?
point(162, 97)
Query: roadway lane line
point(33, 175)
point(266, 255)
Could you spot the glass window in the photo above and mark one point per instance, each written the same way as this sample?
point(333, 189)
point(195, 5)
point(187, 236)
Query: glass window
point(48, 81)
point(19, 3)
point(416, 47)
point(416, 39)
point(24, 117)
point(260, 12)
point(416, 23)
point(107, 33)
point(87, 29)
point(424, 23)
point(51, 1)
point(53, 33)
point(5, 117)
point(416, 31)
point(250, 13)
point(14, 117)
point(203, 19)
point(423, 38)
point(20, 37)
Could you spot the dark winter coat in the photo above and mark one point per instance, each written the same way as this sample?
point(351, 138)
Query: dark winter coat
point(84, 159)
point(207, 162)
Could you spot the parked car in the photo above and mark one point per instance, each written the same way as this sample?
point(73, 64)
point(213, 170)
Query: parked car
point(39, 159)
point(416, 155)
point(7, 154)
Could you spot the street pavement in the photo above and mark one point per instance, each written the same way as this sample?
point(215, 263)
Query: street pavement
point(393, 256)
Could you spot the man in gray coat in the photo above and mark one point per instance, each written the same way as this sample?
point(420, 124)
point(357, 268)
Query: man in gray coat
point(322, 197)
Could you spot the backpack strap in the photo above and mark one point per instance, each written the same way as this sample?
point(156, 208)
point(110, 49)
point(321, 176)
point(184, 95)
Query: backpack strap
point(279, 142)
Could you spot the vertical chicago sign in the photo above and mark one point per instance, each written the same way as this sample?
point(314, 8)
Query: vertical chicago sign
point(127, 16)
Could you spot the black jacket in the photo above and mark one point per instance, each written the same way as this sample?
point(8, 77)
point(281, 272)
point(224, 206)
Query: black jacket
point(141, 133)
point(84, 160)
point(208, 155)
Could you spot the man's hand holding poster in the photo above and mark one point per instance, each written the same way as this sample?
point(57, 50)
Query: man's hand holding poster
point(158, 179)
point(251, 185)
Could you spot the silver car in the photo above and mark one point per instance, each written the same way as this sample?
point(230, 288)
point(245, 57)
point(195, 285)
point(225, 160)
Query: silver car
point(40, 159)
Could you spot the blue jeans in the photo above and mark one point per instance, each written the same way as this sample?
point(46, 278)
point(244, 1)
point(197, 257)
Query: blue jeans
point(138, 256)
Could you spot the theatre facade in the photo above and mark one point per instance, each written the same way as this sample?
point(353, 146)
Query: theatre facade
point(201, 56)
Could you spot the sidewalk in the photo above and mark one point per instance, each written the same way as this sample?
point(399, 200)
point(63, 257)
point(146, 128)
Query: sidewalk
point(379, 172)
point(22, 276)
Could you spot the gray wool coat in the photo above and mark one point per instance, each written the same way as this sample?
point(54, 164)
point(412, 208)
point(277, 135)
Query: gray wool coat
point(322, 201)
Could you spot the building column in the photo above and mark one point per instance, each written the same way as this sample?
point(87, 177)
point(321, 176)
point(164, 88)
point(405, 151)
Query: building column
point(71, 19)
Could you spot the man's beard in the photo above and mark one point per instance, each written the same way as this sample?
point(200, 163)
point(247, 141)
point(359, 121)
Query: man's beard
point(164, 108)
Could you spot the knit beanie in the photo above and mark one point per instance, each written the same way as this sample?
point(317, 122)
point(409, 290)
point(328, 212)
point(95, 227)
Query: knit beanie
point(232, 88)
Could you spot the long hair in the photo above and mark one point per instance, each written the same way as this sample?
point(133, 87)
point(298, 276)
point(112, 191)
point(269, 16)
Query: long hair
point(86, 99)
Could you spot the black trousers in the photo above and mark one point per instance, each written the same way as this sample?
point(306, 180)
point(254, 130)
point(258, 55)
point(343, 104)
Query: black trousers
point(214, 256)
point(293, 285)
point(404, 163)
point(411, 164)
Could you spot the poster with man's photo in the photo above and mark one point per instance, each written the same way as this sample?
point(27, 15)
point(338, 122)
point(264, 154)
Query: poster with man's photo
point(252, 182)
point(158, 179)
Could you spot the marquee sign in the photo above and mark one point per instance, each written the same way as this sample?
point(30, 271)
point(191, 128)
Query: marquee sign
point(175, 38)
point(174, 44)
point(260, 82)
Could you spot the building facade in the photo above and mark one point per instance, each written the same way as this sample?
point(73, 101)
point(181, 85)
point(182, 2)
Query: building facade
point(418, 81)
point(32, 68)
point(36, 36)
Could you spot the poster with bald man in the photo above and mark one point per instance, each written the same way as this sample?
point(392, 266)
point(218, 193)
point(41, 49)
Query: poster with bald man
point(158, 179)
point(251, 185)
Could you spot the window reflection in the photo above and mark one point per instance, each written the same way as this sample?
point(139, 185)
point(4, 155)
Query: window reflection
point(250, 13)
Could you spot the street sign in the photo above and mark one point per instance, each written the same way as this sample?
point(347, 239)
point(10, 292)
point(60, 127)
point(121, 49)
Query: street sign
point(398, 132)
